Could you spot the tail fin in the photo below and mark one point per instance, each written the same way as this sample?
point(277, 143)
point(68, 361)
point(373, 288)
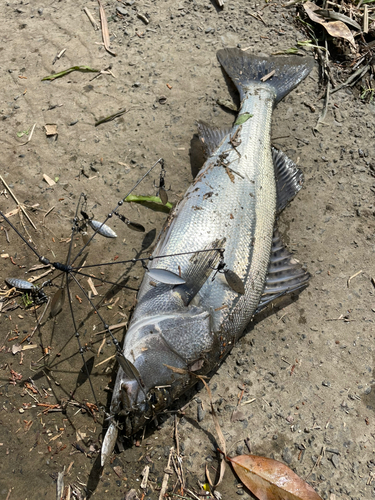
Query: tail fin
point(246, 69)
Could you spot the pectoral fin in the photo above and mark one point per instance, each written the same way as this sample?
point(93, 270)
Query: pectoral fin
point(201, 266)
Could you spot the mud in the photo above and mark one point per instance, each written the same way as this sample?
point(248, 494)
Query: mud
point(302, 377)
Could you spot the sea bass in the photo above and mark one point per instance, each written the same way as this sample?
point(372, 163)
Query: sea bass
point(225, 222)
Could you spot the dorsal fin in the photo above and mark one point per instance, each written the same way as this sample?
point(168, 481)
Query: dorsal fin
point(285, 274)
point(289, 178)
point(211, 137)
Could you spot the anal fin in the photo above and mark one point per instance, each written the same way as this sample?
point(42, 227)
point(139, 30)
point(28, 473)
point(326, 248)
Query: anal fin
point(289, 178)
point(285, 274)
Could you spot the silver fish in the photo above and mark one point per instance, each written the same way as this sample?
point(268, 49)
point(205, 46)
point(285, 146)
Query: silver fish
point(183, 330)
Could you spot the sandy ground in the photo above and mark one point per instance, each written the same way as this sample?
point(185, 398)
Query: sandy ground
point(307, 365)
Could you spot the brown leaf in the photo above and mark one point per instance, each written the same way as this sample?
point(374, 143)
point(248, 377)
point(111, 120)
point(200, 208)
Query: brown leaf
point(269, 479)
point(105, 33)
point(336, 29)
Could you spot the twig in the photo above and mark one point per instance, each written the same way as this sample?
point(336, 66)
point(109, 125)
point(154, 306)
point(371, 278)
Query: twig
point(352, 78)
point(105, 32)
point(92, 20)
point(16, 200)
point(30, 136)
point(38, 322)
point(323, 114)
point(354, 275)
point(365, 20)
point(166, 475)
point(176, 434)
point(105, 360)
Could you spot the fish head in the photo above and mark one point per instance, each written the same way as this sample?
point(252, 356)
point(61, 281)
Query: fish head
point(164, 350)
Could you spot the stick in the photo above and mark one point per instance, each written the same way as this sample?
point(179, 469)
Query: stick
point(354, 275)
point(164, 485)
point(92, 20)
point(16, 200)
point(105, 32)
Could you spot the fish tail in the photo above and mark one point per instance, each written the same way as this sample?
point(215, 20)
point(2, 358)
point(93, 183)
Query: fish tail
point(280, 74)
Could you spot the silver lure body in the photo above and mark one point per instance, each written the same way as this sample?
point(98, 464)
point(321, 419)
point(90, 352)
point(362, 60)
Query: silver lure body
point(233, 200)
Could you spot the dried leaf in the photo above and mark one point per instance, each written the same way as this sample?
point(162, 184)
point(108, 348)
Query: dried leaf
point(336, 29)
point(234, 281)
point(51, 129)
point(16, 348)
point(269, 479)
point(336, 16)
point(105, 33)
point(242, 118)
point(118, 471)
point(110, 117)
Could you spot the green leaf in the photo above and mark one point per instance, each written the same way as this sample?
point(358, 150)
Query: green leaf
point(151, 202)
point(24, 132)
point(242, 118)
point(57, 179)
point(84, 69)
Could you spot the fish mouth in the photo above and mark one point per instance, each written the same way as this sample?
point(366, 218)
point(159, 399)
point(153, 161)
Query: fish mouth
point(135, 410)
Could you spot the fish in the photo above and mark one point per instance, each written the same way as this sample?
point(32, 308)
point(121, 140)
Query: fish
point(221, 239)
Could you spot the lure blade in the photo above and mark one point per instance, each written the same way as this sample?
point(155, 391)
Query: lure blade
point(102, 229)
point(57, 302)
point(234, 281)
point(166, 277)
point(109, 443)
point(85, 238)
point(129, 369)
point(136, 227)
point(163, 196)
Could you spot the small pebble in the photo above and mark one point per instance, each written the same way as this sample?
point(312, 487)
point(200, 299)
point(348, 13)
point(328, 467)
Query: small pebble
point(201, 413)
point(122, 11)
point(335, 460)
point(287, 455)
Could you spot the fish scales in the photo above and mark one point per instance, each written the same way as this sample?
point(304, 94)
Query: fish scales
point(242, 210)
point(232, 204)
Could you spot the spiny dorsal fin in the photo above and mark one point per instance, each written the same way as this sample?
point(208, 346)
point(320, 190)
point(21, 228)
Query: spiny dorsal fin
point(285, 274)
point(211, 137)
point(289, 178)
